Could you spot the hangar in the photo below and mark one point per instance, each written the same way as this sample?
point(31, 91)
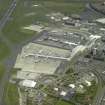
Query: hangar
point(40, 59)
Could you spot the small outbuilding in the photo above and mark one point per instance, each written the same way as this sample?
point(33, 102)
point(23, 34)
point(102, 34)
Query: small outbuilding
point(101, 21)
point(28, 83)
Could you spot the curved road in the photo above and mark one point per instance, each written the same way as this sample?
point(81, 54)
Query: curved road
point(100, 97)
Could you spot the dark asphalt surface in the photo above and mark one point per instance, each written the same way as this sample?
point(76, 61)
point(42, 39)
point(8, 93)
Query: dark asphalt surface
point(90, 14)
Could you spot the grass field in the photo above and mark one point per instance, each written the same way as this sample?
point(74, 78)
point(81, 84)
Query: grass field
point(66, 8)
point(2, 70)
point(13, 29)
point(19, 19)
point(11, 96)
point(4, 4)
point(63, 103)
point(4, 50)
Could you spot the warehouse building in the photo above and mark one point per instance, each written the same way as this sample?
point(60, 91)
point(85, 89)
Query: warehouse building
point(38, 59)
point(101, 21)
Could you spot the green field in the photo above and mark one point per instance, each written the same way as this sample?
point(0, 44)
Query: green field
point(4, 4)
point(2, 70)
point(63, 103)
point(13, 30)
point(4, 50)
point(11, 96)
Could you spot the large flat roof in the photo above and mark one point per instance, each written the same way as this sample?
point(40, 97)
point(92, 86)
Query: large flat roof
point(62, 39)
point(37, 58)
point(101, 20)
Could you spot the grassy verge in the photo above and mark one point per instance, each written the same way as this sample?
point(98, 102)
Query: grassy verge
point(66, 8)
point(4, 50)
point(11, 95)
point(63, 103)
point(12, 30)
point(2, 70)
point(4, 4)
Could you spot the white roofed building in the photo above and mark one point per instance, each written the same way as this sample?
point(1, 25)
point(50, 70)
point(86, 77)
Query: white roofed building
point(101, 21)
point(28, 83)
